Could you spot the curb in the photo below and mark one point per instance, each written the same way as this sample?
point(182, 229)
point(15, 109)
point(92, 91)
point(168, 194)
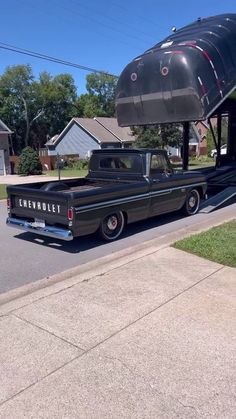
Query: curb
point(55, 283)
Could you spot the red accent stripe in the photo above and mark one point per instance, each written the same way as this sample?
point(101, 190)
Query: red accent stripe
point(207, 55)
point(204, 90)
point(210, 61)
point(187, 43)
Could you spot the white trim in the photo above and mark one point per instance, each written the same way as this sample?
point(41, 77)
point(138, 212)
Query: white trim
point(111, 132)
point(8, 131)
point(55, 143)
point(3, 159)
point(139, 197)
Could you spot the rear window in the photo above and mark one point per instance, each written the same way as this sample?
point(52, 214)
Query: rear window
point(120, 163)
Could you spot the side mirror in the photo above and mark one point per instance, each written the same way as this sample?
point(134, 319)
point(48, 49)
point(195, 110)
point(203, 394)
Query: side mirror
point(168, 172)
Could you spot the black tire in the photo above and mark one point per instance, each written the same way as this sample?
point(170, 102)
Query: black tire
point(112, 226)
point(192, 202)
point(54, 186)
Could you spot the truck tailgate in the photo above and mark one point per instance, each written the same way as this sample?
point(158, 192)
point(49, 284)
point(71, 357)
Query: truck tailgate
point(39, 212)
point(52, 207)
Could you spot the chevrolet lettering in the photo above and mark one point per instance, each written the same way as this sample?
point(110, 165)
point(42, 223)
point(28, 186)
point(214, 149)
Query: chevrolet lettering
point(40, 206)
point(122, 186)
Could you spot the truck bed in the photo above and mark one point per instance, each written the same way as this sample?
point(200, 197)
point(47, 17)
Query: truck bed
point(50, 200)
point(89, 185)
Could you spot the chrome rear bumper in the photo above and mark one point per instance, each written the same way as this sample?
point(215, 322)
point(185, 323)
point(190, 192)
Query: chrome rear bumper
point(49, 231)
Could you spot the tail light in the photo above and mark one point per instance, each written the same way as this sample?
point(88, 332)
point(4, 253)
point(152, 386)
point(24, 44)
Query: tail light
point(8, 204)
point(70, 214)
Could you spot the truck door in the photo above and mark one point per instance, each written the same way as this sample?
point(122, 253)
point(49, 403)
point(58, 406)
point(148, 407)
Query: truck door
point(166, 195)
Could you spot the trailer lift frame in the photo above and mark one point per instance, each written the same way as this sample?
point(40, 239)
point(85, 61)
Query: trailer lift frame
point(190, 76)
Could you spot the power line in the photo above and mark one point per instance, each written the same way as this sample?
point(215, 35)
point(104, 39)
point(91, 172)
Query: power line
point(100, 23)
point(70, 16)
point(142, 18)
point(53, 59)
point(112, 19)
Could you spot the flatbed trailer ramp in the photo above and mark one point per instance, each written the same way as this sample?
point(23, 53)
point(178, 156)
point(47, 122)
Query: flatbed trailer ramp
point(217, 200)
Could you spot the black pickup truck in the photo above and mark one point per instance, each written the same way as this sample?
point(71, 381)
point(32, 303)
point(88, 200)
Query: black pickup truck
point(122, 186)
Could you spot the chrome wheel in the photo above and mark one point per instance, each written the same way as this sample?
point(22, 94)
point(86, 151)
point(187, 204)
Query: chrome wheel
point(112, 226)
point(192, 202)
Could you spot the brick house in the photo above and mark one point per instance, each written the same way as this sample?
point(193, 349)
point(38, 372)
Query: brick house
point(203, 129)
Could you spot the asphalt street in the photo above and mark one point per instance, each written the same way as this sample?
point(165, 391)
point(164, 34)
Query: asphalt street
point(27, 258)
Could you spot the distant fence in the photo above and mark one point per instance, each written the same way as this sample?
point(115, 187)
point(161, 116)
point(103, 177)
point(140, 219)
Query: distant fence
point(48, 163)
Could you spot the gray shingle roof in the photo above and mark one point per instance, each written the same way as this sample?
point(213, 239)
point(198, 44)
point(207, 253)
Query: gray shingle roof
point(52, 140)
point(97, 130)
point(4, 129)
point(123, 134)
point(103, 130)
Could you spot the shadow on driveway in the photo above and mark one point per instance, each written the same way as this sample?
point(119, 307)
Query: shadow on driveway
point(82, 244)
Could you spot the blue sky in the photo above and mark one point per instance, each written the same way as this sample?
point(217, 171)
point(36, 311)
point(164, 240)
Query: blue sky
point(104, 34)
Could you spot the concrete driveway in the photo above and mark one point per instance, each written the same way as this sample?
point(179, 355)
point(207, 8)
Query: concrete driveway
point(18, 180)
point(148, 335)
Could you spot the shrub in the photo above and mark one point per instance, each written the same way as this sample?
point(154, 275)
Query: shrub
point(29, 163)
point(80, 164)
point(175, 159)
point(203, 159)
point(72, 161)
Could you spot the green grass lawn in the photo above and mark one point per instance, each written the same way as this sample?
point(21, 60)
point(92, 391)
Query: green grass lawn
point(217, 244)
point(67, 173)
point(3, 191)
point(195, 164)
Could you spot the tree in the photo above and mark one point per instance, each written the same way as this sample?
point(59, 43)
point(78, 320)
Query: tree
point(15, 100)
point(29, 163)
point(57, 97)
point(171, 135)
point(158, 136)
point(210, 141)
point(147, 136)
point(224, 136)
point(103, 87)
point(38, 109)
point(88, 106)
point(35, 109)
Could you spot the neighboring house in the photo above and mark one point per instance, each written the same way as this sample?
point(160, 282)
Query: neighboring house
point(194, 144)
point(197, 140)
point(203, 129)
point(5, 132)
point(82, 135)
